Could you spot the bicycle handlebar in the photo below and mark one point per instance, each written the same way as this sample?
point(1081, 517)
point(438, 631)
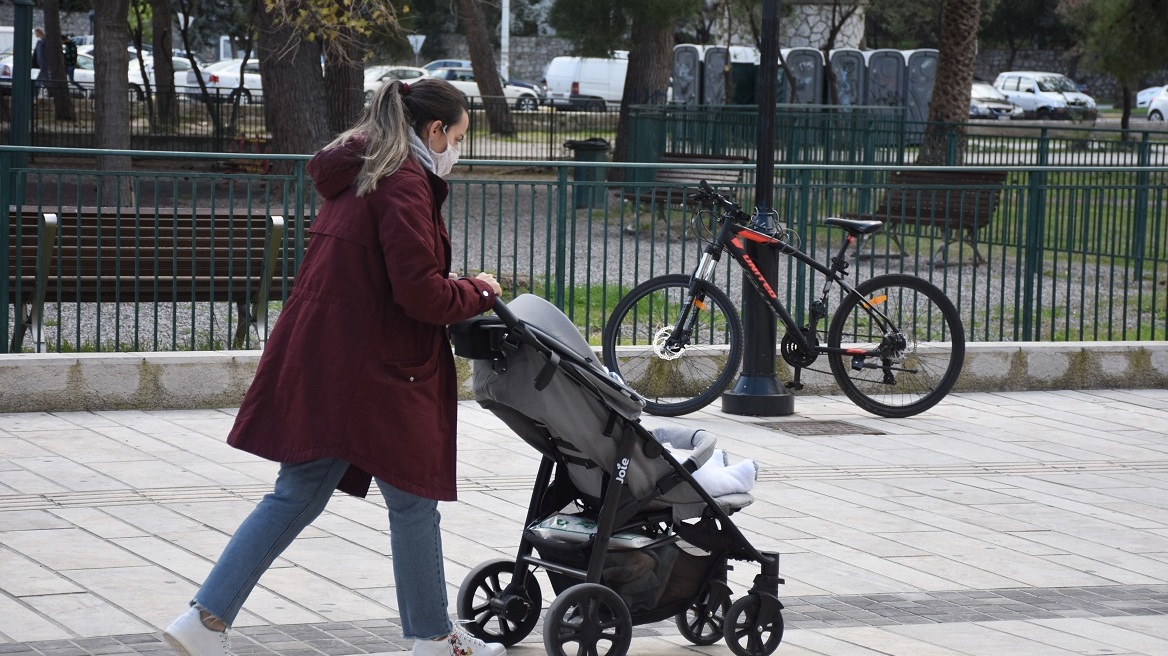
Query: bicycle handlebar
point(707, 196)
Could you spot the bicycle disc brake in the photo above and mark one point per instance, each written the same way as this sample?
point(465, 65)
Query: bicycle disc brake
point(664, 348)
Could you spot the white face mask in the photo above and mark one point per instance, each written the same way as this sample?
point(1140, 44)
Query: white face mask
point(445, 160)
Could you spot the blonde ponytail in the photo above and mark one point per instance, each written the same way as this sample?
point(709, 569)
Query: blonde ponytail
point(386, 121)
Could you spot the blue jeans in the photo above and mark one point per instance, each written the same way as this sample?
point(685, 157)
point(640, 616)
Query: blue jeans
point(301, 493)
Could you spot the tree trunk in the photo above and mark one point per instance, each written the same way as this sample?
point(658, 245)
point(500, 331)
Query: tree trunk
point(293, 87)
point(955, 61)
point(55, 54)
point(145, 93)
point(111, 128)
point(646, 81)
point(344, 85)
point(167, 117)
point(486, 72)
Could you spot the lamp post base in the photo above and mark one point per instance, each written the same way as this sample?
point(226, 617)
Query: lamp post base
point(758, 396)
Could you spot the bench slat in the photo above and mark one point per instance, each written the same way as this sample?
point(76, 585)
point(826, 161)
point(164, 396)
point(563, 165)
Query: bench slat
point(95, 256)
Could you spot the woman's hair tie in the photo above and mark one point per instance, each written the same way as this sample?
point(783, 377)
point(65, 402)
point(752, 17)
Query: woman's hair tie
point(405, 89)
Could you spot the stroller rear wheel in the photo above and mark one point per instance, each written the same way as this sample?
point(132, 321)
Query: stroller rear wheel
point(593, 617)
point(704, 621)
point(754, 626)
point(494, 608)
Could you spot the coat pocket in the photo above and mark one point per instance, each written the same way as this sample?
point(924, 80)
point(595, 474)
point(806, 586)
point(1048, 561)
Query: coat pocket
point(410, 371)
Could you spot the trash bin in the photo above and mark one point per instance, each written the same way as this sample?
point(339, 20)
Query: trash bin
point(589, 191)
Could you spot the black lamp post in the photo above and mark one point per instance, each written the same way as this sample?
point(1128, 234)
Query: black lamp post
point(11, 163)
point(758, 391)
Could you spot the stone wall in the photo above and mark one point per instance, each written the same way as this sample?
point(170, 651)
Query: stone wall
point(72, 22)
point(529, 54)
point(808, 25)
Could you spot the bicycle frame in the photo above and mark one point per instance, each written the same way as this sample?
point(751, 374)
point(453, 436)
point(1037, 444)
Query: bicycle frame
point(733, 235)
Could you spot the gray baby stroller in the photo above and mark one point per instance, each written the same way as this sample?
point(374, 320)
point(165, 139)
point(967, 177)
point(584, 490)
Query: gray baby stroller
point(616, 519)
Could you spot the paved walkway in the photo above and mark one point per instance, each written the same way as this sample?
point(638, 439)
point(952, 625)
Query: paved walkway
point(998, 524)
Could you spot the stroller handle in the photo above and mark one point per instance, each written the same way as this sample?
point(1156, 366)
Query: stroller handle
point(505, 313)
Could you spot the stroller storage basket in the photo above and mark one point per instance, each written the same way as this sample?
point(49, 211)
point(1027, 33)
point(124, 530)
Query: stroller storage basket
point(647, 579)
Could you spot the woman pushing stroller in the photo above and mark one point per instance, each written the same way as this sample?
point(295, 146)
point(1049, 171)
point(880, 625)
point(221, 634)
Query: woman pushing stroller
point(357, 382)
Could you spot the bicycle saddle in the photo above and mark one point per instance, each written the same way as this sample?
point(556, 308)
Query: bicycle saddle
point(854, 226)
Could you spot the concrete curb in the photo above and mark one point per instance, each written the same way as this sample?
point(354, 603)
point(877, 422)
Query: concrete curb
point(50, 382)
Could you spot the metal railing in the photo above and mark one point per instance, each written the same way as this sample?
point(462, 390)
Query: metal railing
point(811, 134)
point(226, 122)
point(1069, 254)
point(821, 134)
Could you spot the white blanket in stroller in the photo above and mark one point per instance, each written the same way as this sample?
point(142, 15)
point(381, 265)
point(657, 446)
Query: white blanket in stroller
point(717, 477)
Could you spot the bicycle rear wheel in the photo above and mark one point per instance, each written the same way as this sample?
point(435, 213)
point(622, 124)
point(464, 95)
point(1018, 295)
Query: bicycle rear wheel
point(675, 377)
point(916, 372)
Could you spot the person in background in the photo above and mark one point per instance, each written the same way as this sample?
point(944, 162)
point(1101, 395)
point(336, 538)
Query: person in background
point(70, 49)
point(39, 62)
point(357, 382)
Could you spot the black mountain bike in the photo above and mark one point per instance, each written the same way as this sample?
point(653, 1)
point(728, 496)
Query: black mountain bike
point(895, 344)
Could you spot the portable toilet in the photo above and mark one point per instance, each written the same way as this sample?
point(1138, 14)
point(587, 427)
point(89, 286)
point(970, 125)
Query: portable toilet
point(850, 72)
point(715, 65)
point(806, 72)
point(886, 73)
point(744, 61)
point(921, 74)
point(687, 74)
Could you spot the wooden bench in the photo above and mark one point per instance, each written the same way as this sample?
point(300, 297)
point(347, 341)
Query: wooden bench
point(87, 255)
point(673, 185)
point(953, 201)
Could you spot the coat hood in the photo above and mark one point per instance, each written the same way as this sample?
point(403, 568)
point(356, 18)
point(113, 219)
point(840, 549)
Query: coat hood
point(333, 170)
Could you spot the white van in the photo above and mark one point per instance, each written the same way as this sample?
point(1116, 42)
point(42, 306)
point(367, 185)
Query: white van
point(589, 83)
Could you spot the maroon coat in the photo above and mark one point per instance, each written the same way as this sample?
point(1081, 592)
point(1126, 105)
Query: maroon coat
point(359, 366)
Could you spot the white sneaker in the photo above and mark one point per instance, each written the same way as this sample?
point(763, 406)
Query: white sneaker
point(187, 635)
point(458, 643)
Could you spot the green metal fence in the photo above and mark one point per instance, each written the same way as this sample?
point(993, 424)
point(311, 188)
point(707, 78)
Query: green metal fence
point(1076, 254)
point(218, 124)
point(823, 134)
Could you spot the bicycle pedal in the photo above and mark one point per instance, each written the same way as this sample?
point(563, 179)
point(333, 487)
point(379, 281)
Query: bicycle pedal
point(793, 385)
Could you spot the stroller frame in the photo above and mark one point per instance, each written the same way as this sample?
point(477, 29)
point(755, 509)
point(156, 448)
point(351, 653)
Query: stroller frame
point(586, 611)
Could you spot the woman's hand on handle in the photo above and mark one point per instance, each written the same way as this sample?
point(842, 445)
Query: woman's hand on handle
point(490, 279)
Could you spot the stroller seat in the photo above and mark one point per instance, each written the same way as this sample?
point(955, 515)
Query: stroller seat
point(571, 425)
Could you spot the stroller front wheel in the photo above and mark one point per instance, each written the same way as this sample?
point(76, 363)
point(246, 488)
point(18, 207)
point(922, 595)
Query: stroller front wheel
point(495, 607)
point(593, 617)
point(754, 626)
point(704, 621)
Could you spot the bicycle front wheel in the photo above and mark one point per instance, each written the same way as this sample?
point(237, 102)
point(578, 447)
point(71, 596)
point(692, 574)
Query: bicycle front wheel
point(676, 372)
point(921, 351)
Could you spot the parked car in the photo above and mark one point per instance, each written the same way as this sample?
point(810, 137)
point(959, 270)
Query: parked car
point(1158, 107)
point(375, 76)
point(83, 75)
point(446, 63)
point(985, 101)
point(1144, 96)
point(535, 87)
point(463, 80)
point(181, 65)
point(1046, 95)
point(588, 83)
point(222, 80)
